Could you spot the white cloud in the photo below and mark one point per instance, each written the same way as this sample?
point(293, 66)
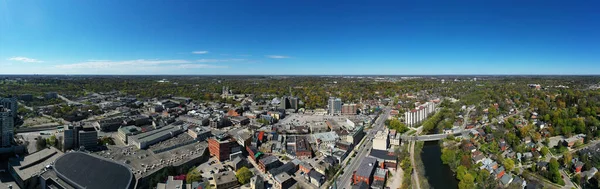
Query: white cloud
point(277, 56)
point(120, 64)
point(24, 59)
point(199, 52)
point(220, 60)
point(195, 66)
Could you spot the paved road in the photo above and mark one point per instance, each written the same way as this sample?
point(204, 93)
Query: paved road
point(345, 179)
point(68, 101)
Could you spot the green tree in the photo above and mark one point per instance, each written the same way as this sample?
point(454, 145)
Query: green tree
point(51, 141)
point(468, 182)
point(567, 158)
point(545, 151)
point(448, 156)
point(509, 164)
point(461, 171)
point(553, 169)
point(193, 175)
point(40, 143)
point(243, 175)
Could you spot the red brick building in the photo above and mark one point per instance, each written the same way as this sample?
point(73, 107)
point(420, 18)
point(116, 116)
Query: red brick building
point(303, 150)
point(365, 171)
point(222, 146)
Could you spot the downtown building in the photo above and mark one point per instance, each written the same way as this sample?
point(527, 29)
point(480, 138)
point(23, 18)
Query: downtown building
point(419, 114)
point(8, 113)
point(289, 102)
point(11, 104)
point(79, 135)
point(222, 146)
point(334, 106)
point(349, 109)
point(7, 124)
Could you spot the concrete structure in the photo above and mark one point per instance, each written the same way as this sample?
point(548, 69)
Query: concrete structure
point(334, 106)
point(225, 180)
point(110, 124)
point(77, 136)
point(289, 168)
point(395, 139)
point(356, 136)
point(239, 120)
point(289, 102)
point(325, 138)
point(125, 132)
point(69, 137)
point(268, 162)
point(420, 113)
point(199, 133)
point(173, 184)
point(380, 141)
point(388, 159)
point(51, 95)
point(302, 148)
point(316, 178)
point(11, 104)
point(349, 109)
point(223, 145)
point(283, 181)
point(81, 170)
point(143, 140)
point(25, 170)
point(365, 171)
point(318, 127)
point(257, 182)
point(7, 124)
point(380, 175)
point(87, 137)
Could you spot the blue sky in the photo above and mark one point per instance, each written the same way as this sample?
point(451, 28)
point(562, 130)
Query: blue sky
point(300, 37)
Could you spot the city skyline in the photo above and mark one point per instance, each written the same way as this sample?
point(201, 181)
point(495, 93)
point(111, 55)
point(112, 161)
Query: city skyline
point(299, 38)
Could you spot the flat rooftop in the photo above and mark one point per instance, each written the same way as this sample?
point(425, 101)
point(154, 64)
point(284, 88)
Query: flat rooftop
point(154, 134)
point(145, 162)
point(327, 136)
point(129, 129)
point(302, 144)
point(91, 172)
point(34, 163)
point(366, 167)
point(224, 177)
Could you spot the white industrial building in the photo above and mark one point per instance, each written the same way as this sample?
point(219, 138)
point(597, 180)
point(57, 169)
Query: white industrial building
point(381, 141)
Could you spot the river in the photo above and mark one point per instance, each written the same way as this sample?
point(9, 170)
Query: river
point(439, 175)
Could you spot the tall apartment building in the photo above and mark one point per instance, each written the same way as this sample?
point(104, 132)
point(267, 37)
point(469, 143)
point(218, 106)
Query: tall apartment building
point(7, 124)
point(349, 109)
point(289, 102)
point(334, 106)
point(419, 114)
point(11, 104)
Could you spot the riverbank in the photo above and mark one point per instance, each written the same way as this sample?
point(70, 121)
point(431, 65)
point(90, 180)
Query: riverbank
point(420, 166)
point(434, 169)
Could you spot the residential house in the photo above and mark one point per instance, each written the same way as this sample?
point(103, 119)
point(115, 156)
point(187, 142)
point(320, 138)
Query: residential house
point(316, 178)
point(589, 173)
point(578, 165)
point(498, 173)
point(284, 181)
point(542, 166)
point(506, 179)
